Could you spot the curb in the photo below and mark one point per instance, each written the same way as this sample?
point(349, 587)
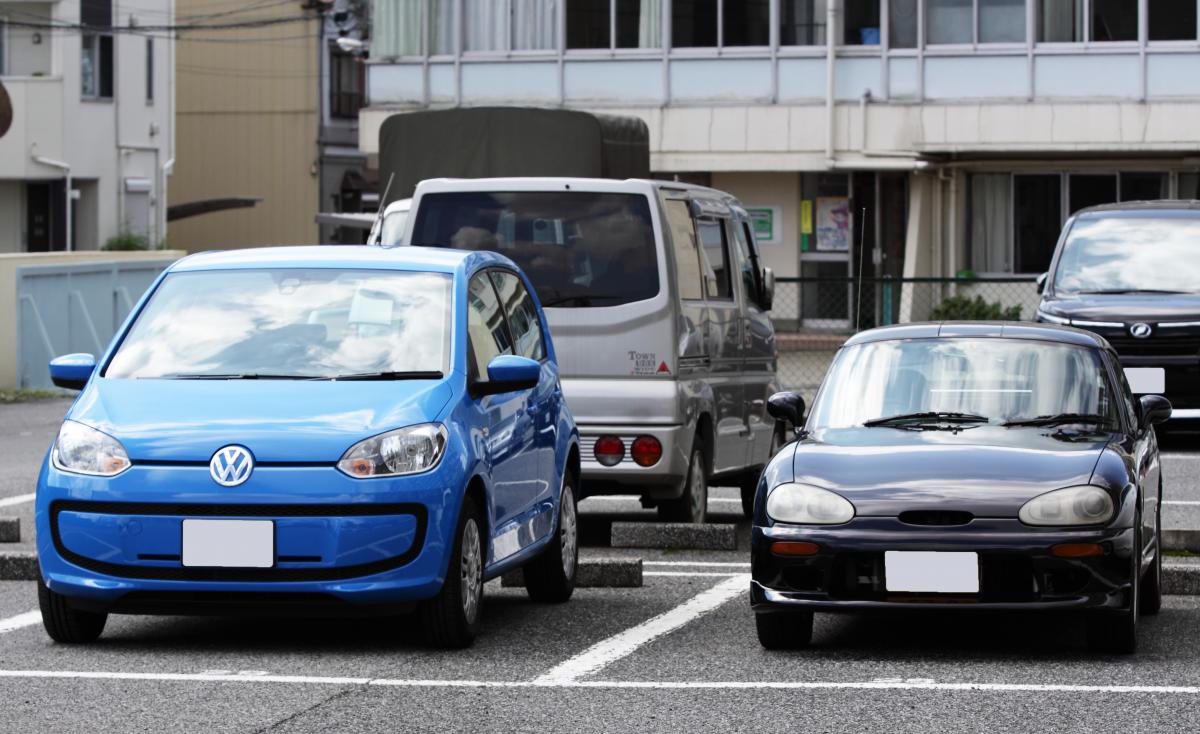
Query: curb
point(10, 530)
point(1179, 579)
point(682, 536)
point(1178, 539)
point(19, 566)
point(592, 573)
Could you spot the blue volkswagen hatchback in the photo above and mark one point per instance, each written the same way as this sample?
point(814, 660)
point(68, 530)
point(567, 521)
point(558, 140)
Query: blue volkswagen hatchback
point(313, 429)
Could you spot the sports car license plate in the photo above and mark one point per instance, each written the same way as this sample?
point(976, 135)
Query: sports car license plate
point(1146, 380)
point(229, 543)
point(931, 571)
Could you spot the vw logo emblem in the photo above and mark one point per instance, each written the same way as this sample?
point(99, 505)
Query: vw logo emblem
point(1140, 330)
point(231, 466)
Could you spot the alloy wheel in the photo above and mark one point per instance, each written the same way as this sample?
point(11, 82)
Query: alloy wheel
point(568, 531)
point(471, 570)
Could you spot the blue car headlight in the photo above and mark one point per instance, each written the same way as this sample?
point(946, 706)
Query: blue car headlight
point(84, 450)
point(1085, 505)
point(409, 450)
point(808, 505)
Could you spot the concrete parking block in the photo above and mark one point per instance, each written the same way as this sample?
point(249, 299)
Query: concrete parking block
point(1179, 539)
point(18, 566)
point(1181, 579)
point(593, 573)
point(674, 535)
point(10, 530)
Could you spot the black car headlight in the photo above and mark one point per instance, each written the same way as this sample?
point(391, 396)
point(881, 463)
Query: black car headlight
point(409, 450)
point(1084, 505)
point(82, 449)
point(808, 505)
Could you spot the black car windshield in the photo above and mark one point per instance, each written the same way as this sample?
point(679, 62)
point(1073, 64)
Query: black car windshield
point(290, 323)
point(578, 248)
point(1130, 254)
point(1001, 380)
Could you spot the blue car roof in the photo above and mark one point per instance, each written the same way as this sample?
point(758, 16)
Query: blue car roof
point(1001, 329)
point(427, 259)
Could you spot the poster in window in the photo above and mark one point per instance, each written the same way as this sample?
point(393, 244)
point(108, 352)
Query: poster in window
point(833, 224)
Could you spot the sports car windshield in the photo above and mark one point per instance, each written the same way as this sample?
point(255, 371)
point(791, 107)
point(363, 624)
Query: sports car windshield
point(290, 323)
point(1000, 380)
point(1130, 255)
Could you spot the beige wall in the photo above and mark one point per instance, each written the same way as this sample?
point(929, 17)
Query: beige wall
point(780, 190)
point(247, 126)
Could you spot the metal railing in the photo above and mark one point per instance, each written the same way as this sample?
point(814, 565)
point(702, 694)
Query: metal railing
point(814, 316)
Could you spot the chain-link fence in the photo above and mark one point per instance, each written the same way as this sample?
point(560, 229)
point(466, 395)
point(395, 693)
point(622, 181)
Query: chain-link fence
point(813, 316)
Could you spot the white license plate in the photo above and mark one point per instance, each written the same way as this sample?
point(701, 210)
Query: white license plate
point(229, 543)
point(930, 571)
point(1146, 380)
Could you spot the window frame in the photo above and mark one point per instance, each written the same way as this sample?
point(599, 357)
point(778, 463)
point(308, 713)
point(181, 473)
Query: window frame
point(537, 316)
point(975, 42)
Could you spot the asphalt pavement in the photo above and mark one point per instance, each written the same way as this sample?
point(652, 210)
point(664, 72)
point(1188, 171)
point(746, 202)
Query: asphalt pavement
point(679, 653)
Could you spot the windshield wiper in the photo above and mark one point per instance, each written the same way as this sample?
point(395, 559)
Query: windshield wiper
point(925, 418)
point(411, 375)
point(1126, 291)
point(581, 299)
point(235, 376)
point(1059, 419)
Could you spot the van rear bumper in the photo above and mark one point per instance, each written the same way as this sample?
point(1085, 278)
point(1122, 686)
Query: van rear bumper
point(664, 480)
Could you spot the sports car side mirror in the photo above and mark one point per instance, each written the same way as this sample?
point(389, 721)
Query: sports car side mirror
point(787, 407)
point(509, 373)
point(1154, 409)
point(72, 370)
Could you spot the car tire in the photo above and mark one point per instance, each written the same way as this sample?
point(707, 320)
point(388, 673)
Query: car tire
point(64, 624)
point(550, 578)
point(692, 505)
point(1151, 592)
point(451, 619)
point(750, 485)
point(784, 630)
point(1116, 632)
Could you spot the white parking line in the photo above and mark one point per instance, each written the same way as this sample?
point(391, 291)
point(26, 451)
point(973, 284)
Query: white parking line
point(727, 574)
point(713, 564)
point(623, 643)
point(18, 500)
point(1181, 502)
point(883, 684)
point(633, 498)
point(20, 621)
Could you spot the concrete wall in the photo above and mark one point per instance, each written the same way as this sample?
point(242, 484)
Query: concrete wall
point(780, 190)
point(24, 57)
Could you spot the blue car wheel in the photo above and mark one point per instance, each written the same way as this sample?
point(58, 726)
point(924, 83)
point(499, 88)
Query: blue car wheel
point(451, 619)
point(551, 576)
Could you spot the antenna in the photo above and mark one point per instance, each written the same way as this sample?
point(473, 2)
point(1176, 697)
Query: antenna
point(862, 256)
point(379, 214)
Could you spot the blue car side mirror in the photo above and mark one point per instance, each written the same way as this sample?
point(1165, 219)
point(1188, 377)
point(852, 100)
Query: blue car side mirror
point(72, 370)
point(508, 373)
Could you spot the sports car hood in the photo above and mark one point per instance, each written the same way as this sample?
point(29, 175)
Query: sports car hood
point(1125, 309)
point(988, 471)
point(278, 420)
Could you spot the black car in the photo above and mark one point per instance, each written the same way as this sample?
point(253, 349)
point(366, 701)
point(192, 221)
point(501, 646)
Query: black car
point(1130, 272)
point(984, 466)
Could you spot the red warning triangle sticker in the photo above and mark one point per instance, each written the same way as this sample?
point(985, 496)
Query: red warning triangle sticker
point(662, 367)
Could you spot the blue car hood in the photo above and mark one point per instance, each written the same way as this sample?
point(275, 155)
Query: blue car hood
point(278, 420)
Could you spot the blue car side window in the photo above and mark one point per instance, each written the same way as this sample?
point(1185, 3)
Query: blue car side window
point(522, 315)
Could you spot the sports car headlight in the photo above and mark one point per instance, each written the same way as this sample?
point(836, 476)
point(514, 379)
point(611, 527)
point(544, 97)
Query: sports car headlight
point(1086, 505)
point(84, 450)
point(804, 503)
point(408, 450)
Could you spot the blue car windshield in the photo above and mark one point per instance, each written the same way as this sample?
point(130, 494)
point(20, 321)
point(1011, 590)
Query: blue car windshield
point(1003, 380)
point(318, 323)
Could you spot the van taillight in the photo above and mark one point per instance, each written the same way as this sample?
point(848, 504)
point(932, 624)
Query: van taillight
point(646, 451)
point(609, 450)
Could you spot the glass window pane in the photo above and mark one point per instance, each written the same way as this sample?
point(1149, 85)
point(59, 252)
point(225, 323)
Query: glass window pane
point(1060, 21)
point(1089, 190)
point(949, 21)
point(1037, 219)
point(1115, 20)
point(902, 29)
point(860, 26)
point(687, 254)
point(1143, 186)
point(747, 23)
point(484, 25)
point(522, 315)
point(1189, 186)
point(588, 24)
point(639, 23)
point(716, 259)
point(990, 221)
point(149, 67)
point(533, 24)
point(441, 27)
point(1001, 21)
point(693, 23)
point(802, 22)
point(486, 328)
point(1172, 20)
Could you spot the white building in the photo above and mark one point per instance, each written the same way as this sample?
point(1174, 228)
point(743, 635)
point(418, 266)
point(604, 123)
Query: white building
point(93, 107)
point(968, 129)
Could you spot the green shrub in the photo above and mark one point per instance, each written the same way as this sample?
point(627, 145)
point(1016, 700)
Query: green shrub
point(962, 308)
point(126, 241)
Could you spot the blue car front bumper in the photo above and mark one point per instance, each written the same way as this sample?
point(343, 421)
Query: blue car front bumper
point(117, 542)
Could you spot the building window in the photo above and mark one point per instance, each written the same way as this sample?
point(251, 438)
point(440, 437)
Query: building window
point(149, 71)
point(860, 24)
point(902, 23)
point(1143, 186)
point(1001, 21)
point(746, 23)
point(1189, 186)
point(509, 25)
point(1060, 21)
point(802, 22)
point(347, 84)
point(1067, 21)
point(1172, 20)
point(96, 55)
point(1114, 20)
point(975, 21)
point(441, 27)
point(635, 23)
point(693, 23)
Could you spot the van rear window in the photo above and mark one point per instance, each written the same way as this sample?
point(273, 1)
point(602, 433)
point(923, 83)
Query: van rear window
point(580, 249)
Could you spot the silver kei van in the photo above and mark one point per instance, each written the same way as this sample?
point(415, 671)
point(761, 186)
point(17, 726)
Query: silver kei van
point(658, 304)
